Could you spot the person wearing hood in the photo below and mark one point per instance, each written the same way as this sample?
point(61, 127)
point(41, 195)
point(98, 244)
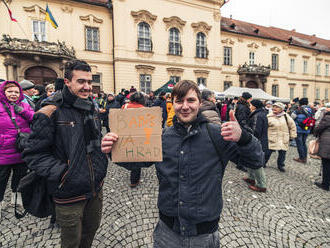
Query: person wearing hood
point(281, 128)
point(208, 108)
point(259, 124)
point(11, 98)
point(49, 90)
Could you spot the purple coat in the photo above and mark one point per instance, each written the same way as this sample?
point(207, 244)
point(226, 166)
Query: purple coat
point(8, 132)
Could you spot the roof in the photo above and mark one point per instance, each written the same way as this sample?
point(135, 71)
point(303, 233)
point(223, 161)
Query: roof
point(291, 37)
point(95, 2)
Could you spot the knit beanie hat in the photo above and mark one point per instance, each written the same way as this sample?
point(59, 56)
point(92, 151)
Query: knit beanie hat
point(280, 105)
point(246, 95)
point(257, 103)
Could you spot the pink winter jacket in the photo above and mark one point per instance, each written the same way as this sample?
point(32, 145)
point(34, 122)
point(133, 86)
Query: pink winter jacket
point(8, 132)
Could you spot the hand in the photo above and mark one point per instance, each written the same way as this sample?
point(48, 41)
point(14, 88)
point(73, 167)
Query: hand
point(231, 130)
point(107, 142)
point(18, 109)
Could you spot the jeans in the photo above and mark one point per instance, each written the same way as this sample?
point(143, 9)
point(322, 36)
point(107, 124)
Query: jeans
point(301, 145)
point(164, 237)
point(79, 222)
point(19, 171)
point(135, 175)
point(280, 158)
point(259, 176)
point(326, 172)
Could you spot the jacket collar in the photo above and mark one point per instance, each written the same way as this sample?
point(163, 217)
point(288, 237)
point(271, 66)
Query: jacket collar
point(194, 125)
point(76, 102)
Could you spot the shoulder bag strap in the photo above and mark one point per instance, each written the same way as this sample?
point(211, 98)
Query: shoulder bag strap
point(11, 118)
point(216, 148)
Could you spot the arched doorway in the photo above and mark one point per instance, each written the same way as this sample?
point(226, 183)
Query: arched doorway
point(251, 84)
point(40, 75)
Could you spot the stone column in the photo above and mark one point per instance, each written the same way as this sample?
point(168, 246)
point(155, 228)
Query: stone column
point(10, 63)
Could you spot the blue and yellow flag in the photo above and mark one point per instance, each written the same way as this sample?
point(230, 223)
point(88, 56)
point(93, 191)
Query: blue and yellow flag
point(50, 18)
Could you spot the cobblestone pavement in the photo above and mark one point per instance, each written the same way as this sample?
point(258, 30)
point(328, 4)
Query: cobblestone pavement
point(293, 212)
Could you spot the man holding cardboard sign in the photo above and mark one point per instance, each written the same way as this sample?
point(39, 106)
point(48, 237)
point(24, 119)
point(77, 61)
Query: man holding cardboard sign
point(190, 175)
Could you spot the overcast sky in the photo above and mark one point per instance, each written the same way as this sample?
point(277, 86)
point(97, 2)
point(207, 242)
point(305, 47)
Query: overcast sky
point(306, 16)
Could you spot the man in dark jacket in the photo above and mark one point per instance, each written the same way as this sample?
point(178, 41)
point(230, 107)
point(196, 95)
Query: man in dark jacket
point(64, 147)
point(190, 175)
point(161, 102)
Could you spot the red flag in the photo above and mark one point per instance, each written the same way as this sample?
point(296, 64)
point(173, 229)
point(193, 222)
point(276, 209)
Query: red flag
point(10, 13)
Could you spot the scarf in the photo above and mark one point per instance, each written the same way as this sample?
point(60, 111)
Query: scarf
point(87, 108)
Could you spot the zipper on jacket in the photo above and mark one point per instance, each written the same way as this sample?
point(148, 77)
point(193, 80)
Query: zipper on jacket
point(91, 172)
point(66, 123)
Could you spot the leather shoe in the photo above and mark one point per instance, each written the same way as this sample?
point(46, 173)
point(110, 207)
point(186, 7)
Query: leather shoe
point(255, 188)
point(249, 181)
point(303, 161)
point(281, 169)
point(322, 186)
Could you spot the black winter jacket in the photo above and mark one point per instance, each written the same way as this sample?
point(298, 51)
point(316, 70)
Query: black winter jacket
point(242, 112)
point(323, 132)
point(57, 149)
point(259, 124)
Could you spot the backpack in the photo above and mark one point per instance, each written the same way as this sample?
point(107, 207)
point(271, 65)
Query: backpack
point(309, 122)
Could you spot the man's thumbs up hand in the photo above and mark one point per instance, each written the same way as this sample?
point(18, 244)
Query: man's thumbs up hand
point(231, 130)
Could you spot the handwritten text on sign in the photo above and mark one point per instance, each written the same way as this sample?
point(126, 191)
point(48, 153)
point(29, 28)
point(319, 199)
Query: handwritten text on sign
point(139, 132)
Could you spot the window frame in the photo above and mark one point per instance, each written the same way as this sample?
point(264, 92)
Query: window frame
point(201, 46)
point(227, 55)
point(305, 66)
point(144, 88)
point(174, 46)
point(291, 92)
point(39, 35)
point(318, 69)
point(251, 58)
point(203, 79)
point(304, 91)
point(292, 65)
point(275, 90)
point(175, 79)
point(92, 29)
point(275, 66)
point(146, 36)
point(326, 72)
point(227, 85)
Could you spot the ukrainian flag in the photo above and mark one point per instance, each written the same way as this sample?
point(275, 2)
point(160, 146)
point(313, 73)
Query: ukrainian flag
point(50, 18)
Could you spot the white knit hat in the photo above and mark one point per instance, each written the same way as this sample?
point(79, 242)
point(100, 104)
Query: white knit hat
point(280, 105)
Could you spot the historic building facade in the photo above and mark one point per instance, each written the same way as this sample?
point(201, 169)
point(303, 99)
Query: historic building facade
point(147, 42)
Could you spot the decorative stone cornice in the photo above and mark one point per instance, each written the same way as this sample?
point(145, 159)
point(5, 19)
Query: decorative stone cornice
point(67, 9)
point(275, 49)
point(253, 45)
point(143, 16)
point(306, 57)
point(292, 54)
point(228, 41)
point(35, 8)
point(201, 73)
point(145, 69)
point(10, 45)
point(201, 27)
point(174, 21)
point(253, 69)
point(174, 71)
point(217, 16)
point(91, 18)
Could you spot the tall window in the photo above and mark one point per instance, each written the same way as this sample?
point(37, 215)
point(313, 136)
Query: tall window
point(317, 93)
point(145, 83)
point(291, 92)
point(227, 56)
point(175, 44)
point(39, 31)
point(201, 80)
point(292, 65)
point(92, 39)
point(274, 61)
point(318, 69)
point(251, 58)
point(201, 48)
point(326, 94)
point(304, 92)
point(227, 85)
point(275, 90)
point(305, 66)
point(175, 79)
point(144, 37)
point(327, 70)
point(97, 78)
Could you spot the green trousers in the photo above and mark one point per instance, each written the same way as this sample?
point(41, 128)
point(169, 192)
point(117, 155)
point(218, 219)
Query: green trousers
point(259, 176)
point(79, 222)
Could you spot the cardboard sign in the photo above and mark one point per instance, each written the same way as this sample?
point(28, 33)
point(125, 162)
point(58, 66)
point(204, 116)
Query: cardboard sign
point(140, 133)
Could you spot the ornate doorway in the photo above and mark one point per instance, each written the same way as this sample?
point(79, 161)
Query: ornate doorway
point(252, 84)
point(40, 75)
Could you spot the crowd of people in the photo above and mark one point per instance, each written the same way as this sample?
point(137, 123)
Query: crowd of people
point(200, 135)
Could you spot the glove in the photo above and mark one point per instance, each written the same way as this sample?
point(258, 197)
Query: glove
point(18, 109)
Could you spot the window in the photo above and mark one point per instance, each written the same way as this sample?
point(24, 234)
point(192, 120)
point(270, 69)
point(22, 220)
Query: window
point(92, 39)
point(305, 66)
point(175, 79)
point(251, 58)
point(304, 92)
point(291, 92)
point(317, 93)
point(97, 78)
point(318, 69)
point(144, 37)
point(227, 85)
point(175, 44)
point(327, 70)
point(227, 56)
point(201, 49)
point(274, 90)
point(326, 94)
point(201, 81)
point(274, 61)
point(39, 31)
point(292, 65)
point(145, 83)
